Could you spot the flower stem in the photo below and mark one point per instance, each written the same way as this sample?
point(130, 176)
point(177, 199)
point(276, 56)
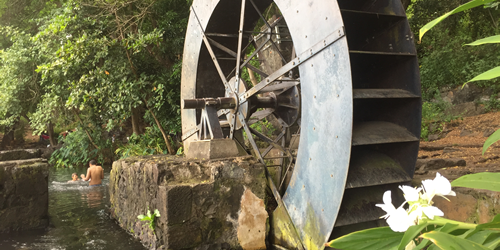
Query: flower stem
point(439, 221)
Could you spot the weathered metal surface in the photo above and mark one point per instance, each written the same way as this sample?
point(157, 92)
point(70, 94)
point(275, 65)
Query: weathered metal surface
point(308, 53)
point(359, 203)
point(326, 123)
point(389, 7)
point(382, 93)
point(378, 132)
point(371, 168)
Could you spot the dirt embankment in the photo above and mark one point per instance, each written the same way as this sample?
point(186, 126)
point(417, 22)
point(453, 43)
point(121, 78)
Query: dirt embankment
point(459, 151)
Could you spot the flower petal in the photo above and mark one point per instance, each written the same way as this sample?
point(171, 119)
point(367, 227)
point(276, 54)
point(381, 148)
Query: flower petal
point(410, 193)
point(399, 221)
point(387, 197)
point(442, 186)
point(432, 211)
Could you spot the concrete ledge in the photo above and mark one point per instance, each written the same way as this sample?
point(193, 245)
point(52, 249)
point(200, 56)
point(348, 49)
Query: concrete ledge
point(212, 149)
point(203, 204)
point(20, 154)
point(23, 195)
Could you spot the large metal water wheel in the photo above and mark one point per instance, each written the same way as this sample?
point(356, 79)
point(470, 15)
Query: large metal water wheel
point(340, 75)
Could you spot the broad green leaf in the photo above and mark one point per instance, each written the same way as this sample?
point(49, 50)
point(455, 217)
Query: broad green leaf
point(494, 224)
point(460, 8)
point(490, 39)
point(447, 228)
point(492, 139)
point(493, 244)
point(410, 234)
point(468, 233)
point(140, 217)
point(374, 238)
point(448, 242)
point(481, 236)
point(488, 181)
point(488, 75)
point(157, 213)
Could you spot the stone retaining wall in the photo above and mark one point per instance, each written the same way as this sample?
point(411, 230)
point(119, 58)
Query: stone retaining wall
point(23, 195)
point(20, 154)
point(470, 205)
point(217, 204)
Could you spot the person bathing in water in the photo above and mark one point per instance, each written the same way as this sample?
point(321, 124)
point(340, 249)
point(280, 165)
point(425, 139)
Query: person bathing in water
point(74, 177)
point(95, 174)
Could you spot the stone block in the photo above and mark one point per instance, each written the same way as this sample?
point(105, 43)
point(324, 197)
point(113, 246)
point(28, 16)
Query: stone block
point(215, 204)
point(484, 211)
point(23, 195)
point(175, 202)
point(19, 154)
point(212, 149)
point(433, 164)
point(461, 207)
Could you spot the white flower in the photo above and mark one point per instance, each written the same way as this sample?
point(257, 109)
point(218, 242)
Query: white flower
point(399, 220)
point(420, 202)
point(429, 211)
point(410, 193)
point(387, 206)
point(439, 186)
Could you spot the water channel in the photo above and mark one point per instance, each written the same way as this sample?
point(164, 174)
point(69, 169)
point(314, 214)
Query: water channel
point(78, 218)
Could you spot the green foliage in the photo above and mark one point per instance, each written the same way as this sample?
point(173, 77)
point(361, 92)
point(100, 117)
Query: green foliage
point(447, 241)
point(375, 238)
point(464, 7)
point(444, 43)
point(489, 181)
point(434, 118)
point(19, 87)
point(78, 150)
point(264, 127)
point(91, 63)
point(491, 140)
point(491, 39)
point(150, 218)
point(488, 75)
point(180, 151)
point(149, 143)
point(438, 233)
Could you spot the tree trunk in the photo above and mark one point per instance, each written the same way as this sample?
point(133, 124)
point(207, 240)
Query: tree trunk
point(86, 131)
point(135, 119)
point(252, 77)
point(165, 136)
point(8, 137)
point(50, 131)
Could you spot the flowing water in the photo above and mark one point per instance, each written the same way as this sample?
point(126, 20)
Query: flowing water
point(78, 219)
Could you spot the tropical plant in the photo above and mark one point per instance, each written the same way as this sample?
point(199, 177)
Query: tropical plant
point(150, 218)
point(488, 75)
point(434, 118)
point(78, 150)
point(420, 225)
point(149, 143)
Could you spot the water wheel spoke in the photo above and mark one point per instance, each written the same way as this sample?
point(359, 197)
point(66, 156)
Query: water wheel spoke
point(212, 54)
point(270, 30)
point(268, 149)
